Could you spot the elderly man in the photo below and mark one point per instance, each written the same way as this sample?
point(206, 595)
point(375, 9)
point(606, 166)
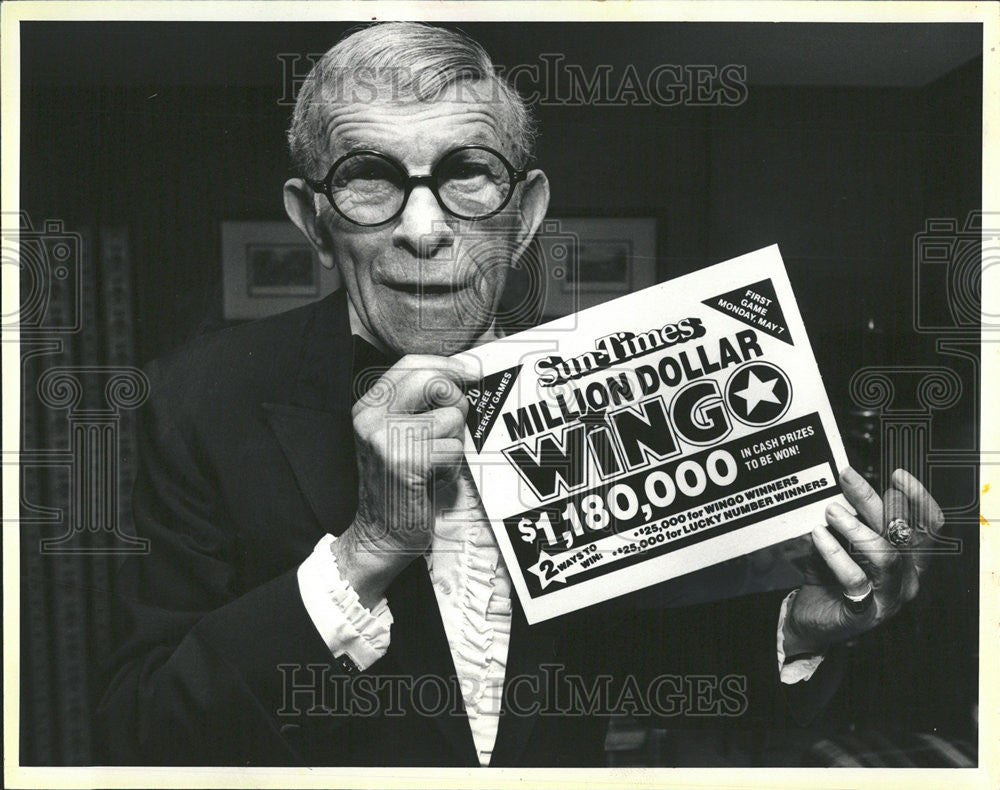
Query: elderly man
point(304, 600)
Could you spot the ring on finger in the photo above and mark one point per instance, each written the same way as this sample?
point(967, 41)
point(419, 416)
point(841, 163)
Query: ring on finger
point(899, 532)
point(859, 604)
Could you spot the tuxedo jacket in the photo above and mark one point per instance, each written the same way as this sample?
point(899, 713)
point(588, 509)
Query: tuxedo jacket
point(246, 459)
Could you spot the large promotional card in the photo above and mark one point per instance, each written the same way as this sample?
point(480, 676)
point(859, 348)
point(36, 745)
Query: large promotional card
point(648, 437)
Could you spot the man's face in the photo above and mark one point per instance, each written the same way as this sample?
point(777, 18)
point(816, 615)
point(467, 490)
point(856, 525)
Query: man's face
point(425, 282)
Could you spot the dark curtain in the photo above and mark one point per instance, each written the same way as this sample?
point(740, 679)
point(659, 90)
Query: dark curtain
point(79, 389)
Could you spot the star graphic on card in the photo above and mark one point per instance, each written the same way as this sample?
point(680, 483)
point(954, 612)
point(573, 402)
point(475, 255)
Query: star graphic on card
point(757, 391)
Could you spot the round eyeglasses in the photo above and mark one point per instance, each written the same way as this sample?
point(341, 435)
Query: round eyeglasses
point(369, 188)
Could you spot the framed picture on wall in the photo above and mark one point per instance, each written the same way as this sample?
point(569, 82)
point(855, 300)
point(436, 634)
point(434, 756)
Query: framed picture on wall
point(267, 268)
point(589, 260)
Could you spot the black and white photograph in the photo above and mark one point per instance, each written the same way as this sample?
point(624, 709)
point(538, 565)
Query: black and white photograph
point(427, 394)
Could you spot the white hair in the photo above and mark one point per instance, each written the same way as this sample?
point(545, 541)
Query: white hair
point(413, 61)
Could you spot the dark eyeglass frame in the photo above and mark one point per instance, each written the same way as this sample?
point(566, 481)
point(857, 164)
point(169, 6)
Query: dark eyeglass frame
point(409, 182)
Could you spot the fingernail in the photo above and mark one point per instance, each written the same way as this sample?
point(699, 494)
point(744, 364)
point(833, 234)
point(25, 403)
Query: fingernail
point(834, 510)
point(849, 476)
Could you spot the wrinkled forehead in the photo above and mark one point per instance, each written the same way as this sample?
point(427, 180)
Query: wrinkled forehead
point(415, 128)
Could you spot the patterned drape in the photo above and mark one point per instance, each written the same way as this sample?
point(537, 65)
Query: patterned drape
point(79, 390)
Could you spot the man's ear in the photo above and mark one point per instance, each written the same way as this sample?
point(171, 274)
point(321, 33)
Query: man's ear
point(300, 206)
point(532, 207)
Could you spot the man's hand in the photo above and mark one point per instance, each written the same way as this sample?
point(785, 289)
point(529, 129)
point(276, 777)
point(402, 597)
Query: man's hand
point(820, 615)
point(408, 432)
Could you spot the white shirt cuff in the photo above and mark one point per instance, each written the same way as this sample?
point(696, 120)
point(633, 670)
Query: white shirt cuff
point(803, 667)
point(344, 623)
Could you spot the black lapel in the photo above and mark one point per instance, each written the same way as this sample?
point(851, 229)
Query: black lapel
point(530, 647)
point(313, 423)
point(319, 448)
point(313, 427)
point(419, 647)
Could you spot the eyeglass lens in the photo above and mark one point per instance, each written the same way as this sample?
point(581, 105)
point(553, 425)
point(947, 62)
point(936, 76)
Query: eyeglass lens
point(471, 183)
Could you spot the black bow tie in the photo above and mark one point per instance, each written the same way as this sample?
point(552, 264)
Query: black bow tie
point(368, 366)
